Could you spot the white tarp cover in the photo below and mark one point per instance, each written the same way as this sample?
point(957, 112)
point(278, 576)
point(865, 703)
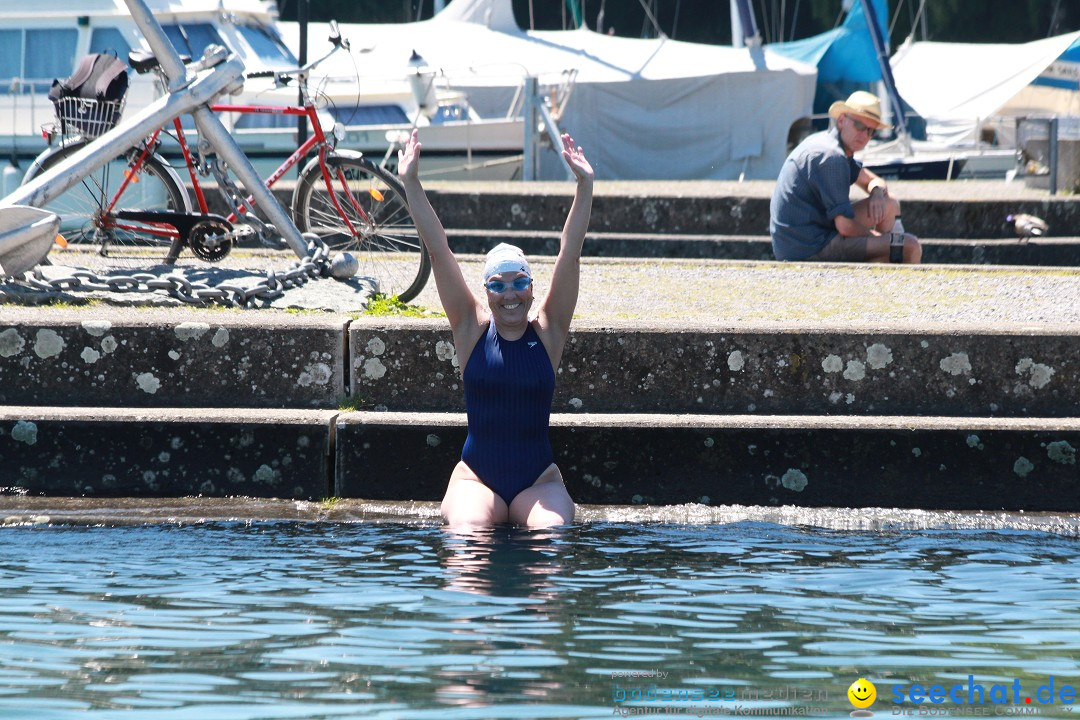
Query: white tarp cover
point(642, 108)
point(53, 9)
point(957, 86)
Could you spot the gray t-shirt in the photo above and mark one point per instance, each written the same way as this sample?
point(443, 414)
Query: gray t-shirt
point(813, 188)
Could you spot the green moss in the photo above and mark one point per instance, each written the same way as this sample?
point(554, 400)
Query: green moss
point(352, 404)
point(383, 306)
point(82, 304)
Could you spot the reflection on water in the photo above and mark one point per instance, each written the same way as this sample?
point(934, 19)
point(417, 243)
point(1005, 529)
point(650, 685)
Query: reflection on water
point(279, 620)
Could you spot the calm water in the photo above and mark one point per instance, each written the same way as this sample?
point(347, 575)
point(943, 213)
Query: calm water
point(279, 620)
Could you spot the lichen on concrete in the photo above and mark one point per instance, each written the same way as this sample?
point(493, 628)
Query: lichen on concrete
point(374, 369)
point(1023, 467)
point(957, 363)
point(48, 343)
point(25, 432)
point(1061, 452)
point(191, 330)
point(794, 479)
point(96, 328)
point(11, 343)
point(855, 370)
point(735, 361)
point(878, 356)
point(376, 346)
point(1038, 374)
point(832, 364)
point(147, 382)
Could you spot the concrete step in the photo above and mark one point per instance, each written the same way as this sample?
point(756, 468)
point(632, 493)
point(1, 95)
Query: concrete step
point(765, 370)
point(963, 210)
point(952, 210)
point(155, 359)
point(905, 462)
point(1056, 251)
point(167, 452)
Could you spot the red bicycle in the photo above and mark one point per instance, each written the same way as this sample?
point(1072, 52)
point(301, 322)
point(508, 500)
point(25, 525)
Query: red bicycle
point(136, 211)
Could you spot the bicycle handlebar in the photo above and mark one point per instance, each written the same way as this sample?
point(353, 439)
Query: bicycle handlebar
point(284, 76)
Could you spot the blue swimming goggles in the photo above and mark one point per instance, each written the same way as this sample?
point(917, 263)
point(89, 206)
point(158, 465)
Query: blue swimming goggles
point(519, 284)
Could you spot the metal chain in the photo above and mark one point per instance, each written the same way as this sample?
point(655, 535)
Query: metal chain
point(316, 264)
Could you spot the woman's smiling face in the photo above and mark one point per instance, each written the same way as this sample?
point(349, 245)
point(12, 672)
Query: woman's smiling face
point(510, 296)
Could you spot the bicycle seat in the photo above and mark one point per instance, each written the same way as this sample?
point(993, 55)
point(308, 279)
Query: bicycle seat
point(143, 61)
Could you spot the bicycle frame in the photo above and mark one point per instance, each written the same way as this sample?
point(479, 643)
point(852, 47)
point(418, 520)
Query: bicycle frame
point(317, 139)
point(186, 95)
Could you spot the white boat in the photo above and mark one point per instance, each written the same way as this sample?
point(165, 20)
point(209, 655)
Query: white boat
point(968, 96)
point(972, 95)
point(644, 108)
point(44, 41)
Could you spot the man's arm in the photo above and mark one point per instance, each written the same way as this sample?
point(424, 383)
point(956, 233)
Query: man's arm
point(878, 191)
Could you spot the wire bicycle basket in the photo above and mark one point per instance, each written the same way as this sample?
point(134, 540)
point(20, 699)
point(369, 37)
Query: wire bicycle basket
point(89, 118)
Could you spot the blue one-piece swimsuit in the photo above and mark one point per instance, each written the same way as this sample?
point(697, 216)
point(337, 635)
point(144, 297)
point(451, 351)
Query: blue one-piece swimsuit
point(508, 389)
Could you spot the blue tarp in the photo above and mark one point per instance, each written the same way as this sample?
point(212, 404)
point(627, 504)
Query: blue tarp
point(844, 54)
point(1065, 74)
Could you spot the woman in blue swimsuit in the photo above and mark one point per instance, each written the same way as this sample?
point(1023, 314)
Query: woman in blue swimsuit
point(506, 471)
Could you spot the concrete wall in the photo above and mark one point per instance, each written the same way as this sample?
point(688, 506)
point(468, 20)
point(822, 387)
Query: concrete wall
point(148, 358)
point(730, 214)
point(811, 462)
point(413, 366)
point(109, 452)
point(729, 209)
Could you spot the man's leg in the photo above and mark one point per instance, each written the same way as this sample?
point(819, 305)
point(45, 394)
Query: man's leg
point(862, 214)
point(878, 249)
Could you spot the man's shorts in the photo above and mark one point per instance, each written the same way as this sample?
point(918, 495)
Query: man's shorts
point(843, 249)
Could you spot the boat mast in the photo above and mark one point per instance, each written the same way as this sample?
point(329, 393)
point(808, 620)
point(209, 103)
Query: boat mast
point(882, 51)
point(744, 30)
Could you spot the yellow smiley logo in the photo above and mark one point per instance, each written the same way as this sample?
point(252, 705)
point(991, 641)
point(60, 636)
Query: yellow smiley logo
point(862, 693)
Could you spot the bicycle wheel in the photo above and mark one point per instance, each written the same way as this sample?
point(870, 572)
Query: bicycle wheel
point(363, 211)
point(89, 211)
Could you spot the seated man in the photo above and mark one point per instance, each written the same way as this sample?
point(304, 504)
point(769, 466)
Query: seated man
point(811, 214)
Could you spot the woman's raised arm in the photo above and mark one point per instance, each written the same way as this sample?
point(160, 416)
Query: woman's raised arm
point(458, 301)
point(558, 306)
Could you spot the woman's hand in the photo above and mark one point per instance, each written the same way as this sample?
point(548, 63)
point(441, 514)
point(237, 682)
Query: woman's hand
point(409, 159)
point(575, 158)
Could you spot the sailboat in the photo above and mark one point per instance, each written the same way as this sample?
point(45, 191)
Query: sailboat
point(855, 55)
point(955, 105)
point(644, 108)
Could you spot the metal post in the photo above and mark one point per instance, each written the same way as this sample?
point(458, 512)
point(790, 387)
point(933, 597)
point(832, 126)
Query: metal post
point(1053, 142)
point(301, 121)
point(528, 170)
point(211, 129)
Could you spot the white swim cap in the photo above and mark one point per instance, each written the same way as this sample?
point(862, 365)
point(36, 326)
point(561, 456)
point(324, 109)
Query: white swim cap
point(505, 258)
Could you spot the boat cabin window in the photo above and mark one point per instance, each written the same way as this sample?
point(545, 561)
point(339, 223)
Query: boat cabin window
point(109, 40)
point(264, 121)
point(192, 38)
point(369, 115)
point(450, 112)
point(268, 45)
point(37, 56)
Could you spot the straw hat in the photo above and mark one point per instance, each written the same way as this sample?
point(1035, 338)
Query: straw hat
point(863, 104)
